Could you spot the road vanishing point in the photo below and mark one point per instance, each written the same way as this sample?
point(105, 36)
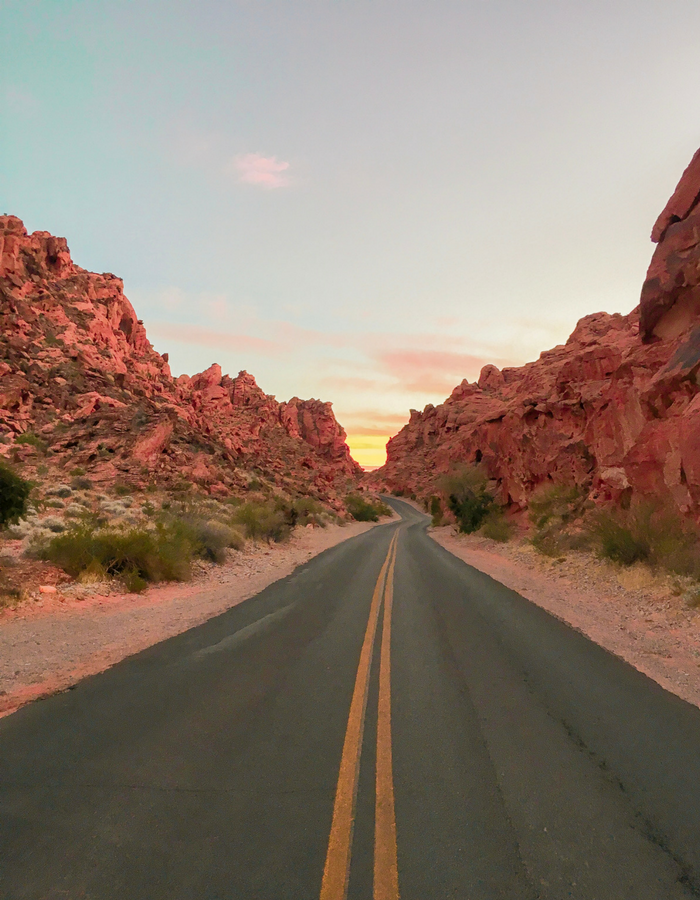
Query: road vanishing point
point(385, 722)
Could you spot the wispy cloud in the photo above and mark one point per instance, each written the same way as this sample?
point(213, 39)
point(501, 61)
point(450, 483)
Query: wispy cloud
point(352, 383)
point(371, 421)
point(205, 337)
point(432, 371)
point(264, 171)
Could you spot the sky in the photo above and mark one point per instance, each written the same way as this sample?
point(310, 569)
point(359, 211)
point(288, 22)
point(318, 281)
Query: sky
point(362, 201)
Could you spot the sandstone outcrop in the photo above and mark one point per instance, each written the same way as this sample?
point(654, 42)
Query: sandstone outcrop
point(81, 381)
point(615, 410)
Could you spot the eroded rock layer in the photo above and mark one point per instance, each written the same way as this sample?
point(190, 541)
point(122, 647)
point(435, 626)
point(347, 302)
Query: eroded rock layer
point(78, 371)
point(615, 409)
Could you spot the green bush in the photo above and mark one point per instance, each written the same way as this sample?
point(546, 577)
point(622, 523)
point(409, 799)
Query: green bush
point(81, 483)
point(308, 511)
point(552, 510)
point(651, 533)
point(161, 555)
point(435, 510)
point(262, 521)
point(363, 510)
point(497, 527)
point(211, 539)
point(33, 440)
point(14, 496)
point(467, 496)
point(619, 543)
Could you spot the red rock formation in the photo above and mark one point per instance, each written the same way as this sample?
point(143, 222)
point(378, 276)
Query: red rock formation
point(616, 409)
point(670, 301)
point(77, 369)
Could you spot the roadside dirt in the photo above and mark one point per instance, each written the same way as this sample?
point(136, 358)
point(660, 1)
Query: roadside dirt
point(635, 613)
point(71, 631)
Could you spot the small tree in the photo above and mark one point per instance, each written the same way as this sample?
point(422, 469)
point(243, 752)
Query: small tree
point(14, 494)
point(467, 496)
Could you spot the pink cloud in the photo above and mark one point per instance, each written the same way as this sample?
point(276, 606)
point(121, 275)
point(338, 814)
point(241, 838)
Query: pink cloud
point(432, 371)
point(205, 337)
point(265, 171)
point(372, 421)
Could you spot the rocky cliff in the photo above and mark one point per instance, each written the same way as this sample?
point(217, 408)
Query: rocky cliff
point(81, 385)
point(615, 409)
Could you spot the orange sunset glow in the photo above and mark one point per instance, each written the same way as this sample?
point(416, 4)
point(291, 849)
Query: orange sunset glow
point(369, 450)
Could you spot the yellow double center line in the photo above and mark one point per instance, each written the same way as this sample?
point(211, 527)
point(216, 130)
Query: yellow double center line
point(337, 868)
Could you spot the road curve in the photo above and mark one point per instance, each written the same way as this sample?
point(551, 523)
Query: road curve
point(387, 721)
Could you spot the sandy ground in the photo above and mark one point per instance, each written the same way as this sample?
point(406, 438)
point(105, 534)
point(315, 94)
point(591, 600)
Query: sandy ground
point(634, 613)
point(49, 643)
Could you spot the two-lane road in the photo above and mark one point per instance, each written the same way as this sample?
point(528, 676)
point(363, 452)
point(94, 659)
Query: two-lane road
point(385, 722)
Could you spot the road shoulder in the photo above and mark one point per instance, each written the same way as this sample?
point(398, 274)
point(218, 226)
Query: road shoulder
point(643, 623)
point(50, 645)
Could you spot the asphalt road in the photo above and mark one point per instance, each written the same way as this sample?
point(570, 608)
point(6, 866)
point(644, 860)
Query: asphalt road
point(385, 720)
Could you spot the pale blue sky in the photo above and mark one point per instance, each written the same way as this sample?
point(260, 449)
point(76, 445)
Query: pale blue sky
point(359, 201)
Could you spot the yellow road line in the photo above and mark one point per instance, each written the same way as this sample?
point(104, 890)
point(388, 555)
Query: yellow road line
point(335, 874)
point(386, 870)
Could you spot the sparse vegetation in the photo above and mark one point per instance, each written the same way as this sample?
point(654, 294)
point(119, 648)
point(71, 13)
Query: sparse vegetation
point(467, 496)
point(553, 508)
point(435, 510)
point(363, 510)
point(14, 496)
point(496, 527)
point(81, 483)
point(653, 534)
point(136, 555)
point(210, 539)
point(33, 440)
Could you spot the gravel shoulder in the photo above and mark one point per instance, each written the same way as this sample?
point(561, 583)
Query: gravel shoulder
point(634, 613)
point(50, 643)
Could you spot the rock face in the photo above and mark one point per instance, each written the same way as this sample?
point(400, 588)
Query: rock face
point(78, 372)
point(616, 409)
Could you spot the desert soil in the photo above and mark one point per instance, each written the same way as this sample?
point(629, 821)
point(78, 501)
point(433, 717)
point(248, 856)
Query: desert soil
point(50, 642)
point(635, 613)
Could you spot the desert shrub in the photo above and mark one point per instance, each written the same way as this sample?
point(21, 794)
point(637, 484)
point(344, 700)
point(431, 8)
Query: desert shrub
point(14, 496)
point(555, 502)
point(363, 510)
point(211, 539)
point(651, 533)
point(33, 440)
point(308, 511)
point(692, 599)
point(61, 490)
point(496, 527)
point(262, 521)
point(93, 573)
point(134, 581)
point(618, 542)
point(552, 510)
point(467, 496)
point(81, 483)
point(77, 471)
point(435, 509)
point(161, 555)
point(121, 489)
point(53, 523)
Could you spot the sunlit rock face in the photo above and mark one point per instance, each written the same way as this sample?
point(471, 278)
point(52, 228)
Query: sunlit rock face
point(78, 370)
point(615, 409)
